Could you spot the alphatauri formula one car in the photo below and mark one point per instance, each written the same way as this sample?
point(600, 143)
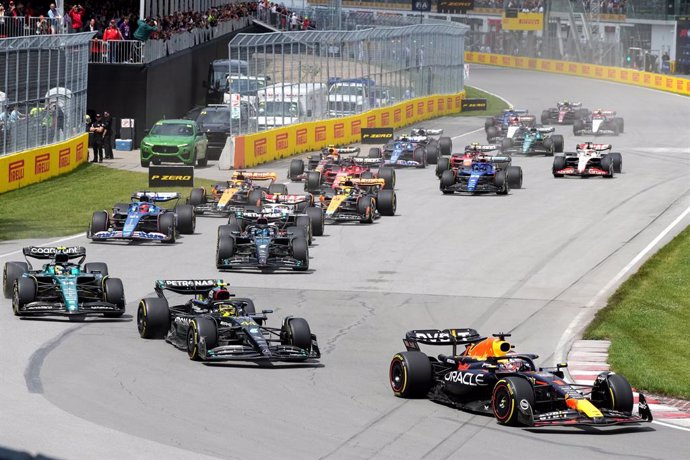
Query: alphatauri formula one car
point(589, 159)
point(212, 325)
point(488, 377)
point(61, 287)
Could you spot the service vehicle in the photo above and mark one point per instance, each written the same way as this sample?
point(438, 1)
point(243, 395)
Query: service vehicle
point(174, 141)
point(350, 96)
point(285, 104)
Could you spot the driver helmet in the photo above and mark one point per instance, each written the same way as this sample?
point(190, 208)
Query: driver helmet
point(226, 310)
point(61, 258)
point(421, 132)
point(144, 208)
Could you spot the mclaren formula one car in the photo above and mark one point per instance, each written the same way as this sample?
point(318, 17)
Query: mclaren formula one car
point(565, 113)
point(143, 219)
point(357, 200)
point(62, 287)
point(488, 377)
point(329, 156)
point(213, 325)
point(589, 159)
point(534, 141)
point(599, 122)
point(243, 189)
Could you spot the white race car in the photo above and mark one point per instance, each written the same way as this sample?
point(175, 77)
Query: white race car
point(589, 159)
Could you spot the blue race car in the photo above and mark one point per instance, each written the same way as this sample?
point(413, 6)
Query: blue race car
point(534, 140)
point(143, 219)
point(402, 152)
point(479, 177)
point(61, 287)
point(496, 127)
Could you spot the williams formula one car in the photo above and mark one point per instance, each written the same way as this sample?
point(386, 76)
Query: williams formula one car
point(565, 113)
point(599, 122)
point(481, 174)
point(488, 377)
point(589, 159)
point(62, 287)
point(144, 220)
point(215, 326)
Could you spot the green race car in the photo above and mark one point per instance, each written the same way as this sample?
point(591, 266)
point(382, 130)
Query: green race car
point(174, 141)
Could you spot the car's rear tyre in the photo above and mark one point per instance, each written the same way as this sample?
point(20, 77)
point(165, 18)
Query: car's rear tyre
point(558, 164)
point(365, 209)
point(578, 126)
point(612, 391)
point(621, 125)
point(300, 251)
point(296, 169)
point(419, 155)
point(305, 223)
point(153, 318)
point(24, 292)
point(313, 183)
point(99, 222)
point(514, 175)
point(224, 250)
point(254, 197)
point(445, 145)
point(410, 374)
point(550, 146)
point(280, 189)
point(166, 225)
point(489, 123)
point(96, 267)
point(388, 176)
point(186, 219)
point(447, 180)
point(12, 272)
point(491, 133)
point(197, 196)
point(501, 183)
point(506, 144)
point(617, 160)
point(545, 117)
point(386, 202)
point(509, 395)
point(374, 152)
point(114, 292)
point(317, 220)
point(607, 165)
point(432, 154)
point(297, 333)
point(557, 143)
point(442, 165)
point(201, 329)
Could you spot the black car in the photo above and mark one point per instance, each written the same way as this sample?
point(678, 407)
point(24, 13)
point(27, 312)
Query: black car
point(217, 123)
point(488, 377)
point(215, 326)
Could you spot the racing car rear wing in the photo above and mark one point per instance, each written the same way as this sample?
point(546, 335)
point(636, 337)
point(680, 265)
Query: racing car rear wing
point(591, 146)
point(550, 129)
point(156, 196)
point(457, 336)
point(368, 182)
point(426, 132)
point(191, 287)
point(37, 252)
point(341, 150)
point(288, 199)
point(481, 148)
point(255, 175)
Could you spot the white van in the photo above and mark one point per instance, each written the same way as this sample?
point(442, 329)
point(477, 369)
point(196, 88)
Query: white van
point(283, 104)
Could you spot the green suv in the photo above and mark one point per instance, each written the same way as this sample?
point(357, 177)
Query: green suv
point(174, 141)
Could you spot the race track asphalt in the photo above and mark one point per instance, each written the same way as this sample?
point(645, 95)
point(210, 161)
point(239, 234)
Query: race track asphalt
point(529, 263)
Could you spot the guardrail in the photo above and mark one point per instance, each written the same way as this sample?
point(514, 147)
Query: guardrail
point(25, 26)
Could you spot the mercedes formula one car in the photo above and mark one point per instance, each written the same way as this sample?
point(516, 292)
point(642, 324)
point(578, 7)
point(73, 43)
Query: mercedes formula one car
point(599, 122)
point(61, 287)
point(488, 377)
point(533, 141)
point(357, 200)
point(144, 220)
point(589, 159)
point(243, 189)
point(331, 155)
point(213, 325)
point(565, 113)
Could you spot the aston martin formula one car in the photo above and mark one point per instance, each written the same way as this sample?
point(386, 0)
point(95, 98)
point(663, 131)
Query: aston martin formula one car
point(599, 122)
point(488, 377)
point(143, 219)
point(262, 245)
point(243, 189)
point(326, 159)
point(565, 113)
point(62, 287)
point(357, 200)
point(212, 325)
point(589, 159)
point(534, 141)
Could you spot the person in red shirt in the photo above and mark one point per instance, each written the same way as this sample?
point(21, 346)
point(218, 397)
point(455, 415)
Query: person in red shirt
point(112, 34)
point(77, 16)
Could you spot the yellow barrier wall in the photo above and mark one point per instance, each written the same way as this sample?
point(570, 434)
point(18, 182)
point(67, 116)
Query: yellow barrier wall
point(255, 149)
point(621, 75)
point(25, 168)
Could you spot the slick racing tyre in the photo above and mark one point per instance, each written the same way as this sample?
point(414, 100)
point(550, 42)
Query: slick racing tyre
point(197, 196)
point(305, 223)
point(313, 183)
point(578, 126)
point(550, 146)
point(491, 133)
point(386, 202)
point(365, 209)
point(153, 318)
point(296, 332)
point(374, 152)
point(607, 165)
point(114, 292)
point(501, 183)
point(186, 219)
point(489, 123)
point(617, 160)
point(317, 220)
point(297, 232)
point(514, 175)
point(442, 165)
point(99, 222)
point(201, 328)
point(432, 154)
point(254, 198)
point(166, 225)
point(280, 189)
point(388, 176)
point(447, 181)
point(410, 374)
point(296, 169)
point(224, 250)
point(300, 251)
point(419, 155)
point(545, 117)
point(96, 267)
point(24, 293)
point(557, 143)
point(510, 395)
point(12, 272)
point(445, 145)
point(558, 164)
point(506, 144)
point(612, 391)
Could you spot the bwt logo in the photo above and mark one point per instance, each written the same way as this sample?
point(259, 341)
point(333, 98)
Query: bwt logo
point(397, 116)
point(64, 158)
point(356, 127)
point(42, 163)
point(339, 130)
point(80, 152)
point(260, 147)
point(15, 171)
point(409, 110)
point(420, 108)
point(282, 141)
point(385, 118)
point(301, 136)
point(320, 133)
point(371, 121)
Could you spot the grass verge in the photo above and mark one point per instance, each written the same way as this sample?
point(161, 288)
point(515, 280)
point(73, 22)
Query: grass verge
point(494, 105)
point(63, 205)
point(647, 322)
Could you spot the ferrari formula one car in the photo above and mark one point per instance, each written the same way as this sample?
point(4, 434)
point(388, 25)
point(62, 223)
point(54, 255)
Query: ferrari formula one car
point(215, 326)
point(362, 200)
point(488, 377)
point(565, 113)
point(61, 287)
point(243, 189)
point(599, 122)
point(353, 167)
point(534, 141)
point(262, 245)
point(144, 220)
point(329, 156)
point(589, 159)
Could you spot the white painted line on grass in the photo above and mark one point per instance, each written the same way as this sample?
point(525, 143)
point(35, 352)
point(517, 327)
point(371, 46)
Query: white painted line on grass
point(67, 238)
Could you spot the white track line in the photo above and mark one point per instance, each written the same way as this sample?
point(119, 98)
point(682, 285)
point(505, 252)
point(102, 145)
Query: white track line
point(67, 238)
point(468, 133)
point(670, 425)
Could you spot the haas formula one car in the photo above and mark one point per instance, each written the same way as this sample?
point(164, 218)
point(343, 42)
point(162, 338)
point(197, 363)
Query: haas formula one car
point(589, 159)
point(488, 377)
point(213, 325)
point(565, 113)
point(243, 189)
point(328, 157)
point(143, 219)
point(62, 287)
point(533, 141)
point(599, 122)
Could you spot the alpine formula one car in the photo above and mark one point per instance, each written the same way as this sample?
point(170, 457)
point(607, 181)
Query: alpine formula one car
point(357, 200)
point(488, 377)
point(414, 150)
point(589, 159)
point(599, 122)
point(144, 220)
point(534, 141)
point(331, 155)
point(262, 245)
point(496, 127)
point(243, 189)
point(61, 287)
point(215, 326)
point(565, 113)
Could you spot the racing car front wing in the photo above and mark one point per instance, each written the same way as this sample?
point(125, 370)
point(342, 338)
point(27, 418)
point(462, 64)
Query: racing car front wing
point(38, 308)
point(136, 235)
point(272, 263)
point(248, 353)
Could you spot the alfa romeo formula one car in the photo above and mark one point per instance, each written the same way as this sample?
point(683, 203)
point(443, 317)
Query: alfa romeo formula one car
point(599, 122)
point(533, 141)
point(589, 159)
point(144, 220)
point(565, 113)
point(488, 377)
point(62, 287)
point(212, 325)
